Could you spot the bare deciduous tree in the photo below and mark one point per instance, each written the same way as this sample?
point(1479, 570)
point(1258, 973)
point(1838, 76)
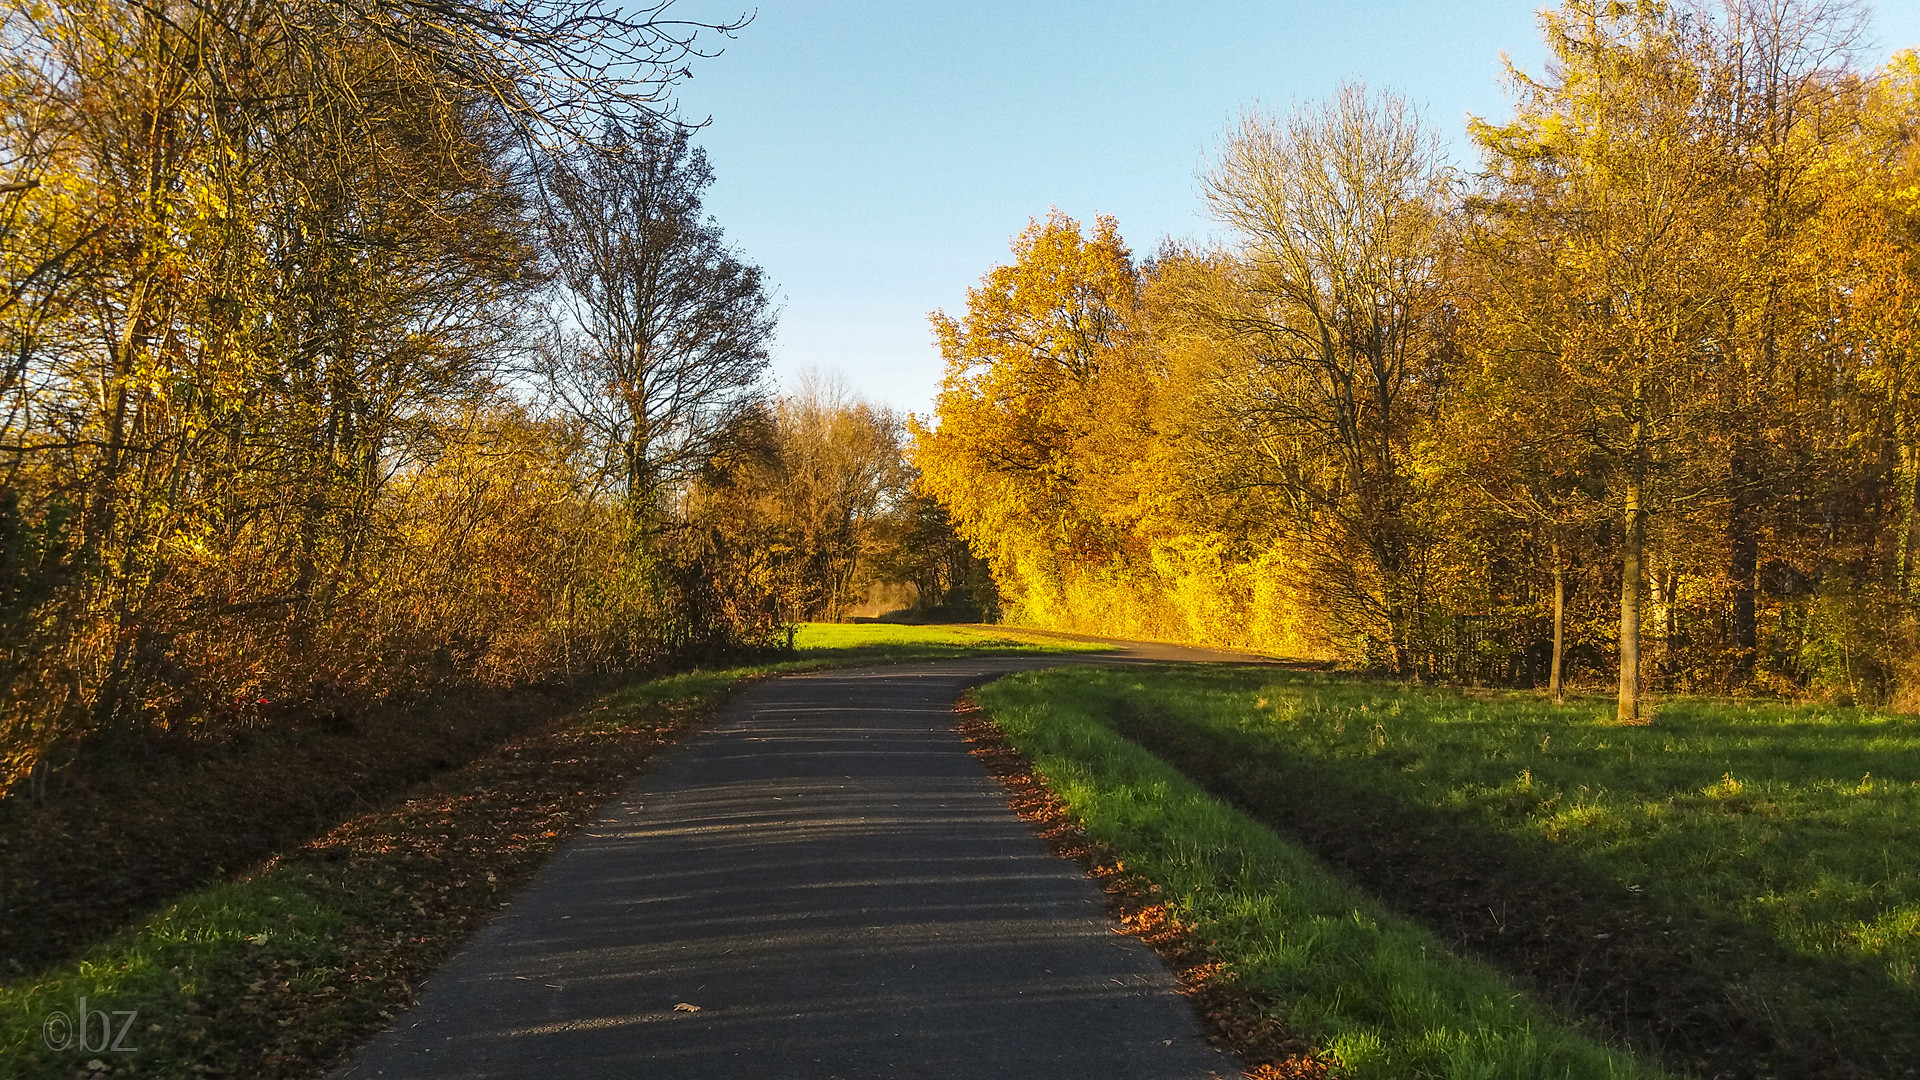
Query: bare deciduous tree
point(1341, 211)
point(661, 331)
point(842, 467)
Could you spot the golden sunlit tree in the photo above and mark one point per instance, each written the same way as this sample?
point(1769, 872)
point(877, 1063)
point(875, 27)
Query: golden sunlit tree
point(1610, 162)
point(1635, 402)
point(1042, 411)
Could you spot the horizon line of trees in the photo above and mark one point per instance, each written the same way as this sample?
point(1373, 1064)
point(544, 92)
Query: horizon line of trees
point(1634, 400)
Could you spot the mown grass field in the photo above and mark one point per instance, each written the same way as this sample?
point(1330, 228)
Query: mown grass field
point(274, 972)
point(845, 643)
point(1736, 887)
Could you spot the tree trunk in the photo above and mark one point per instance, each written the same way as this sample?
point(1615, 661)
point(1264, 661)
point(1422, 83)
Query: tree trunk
point(1743, 562)
point(1559, 623)
point(1670, 659)
point(1390, 556)
point(1632, 552)
point(1908, 458)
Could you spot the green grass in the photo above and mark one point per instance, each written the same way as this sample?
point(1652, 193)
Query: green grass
point(175, 975)
point(892, 641)
point(1801, 821)
point(1383, 997)
point(1793, 829)
point(274, 973)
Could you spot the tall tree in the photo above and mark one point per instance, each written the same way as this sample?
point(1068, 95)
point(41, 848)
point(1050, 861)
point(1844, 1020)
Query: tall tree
point(661, 331)
point(1869, 232)
point(1338, 296)
point(1611, 162)
point(1043, 406)
point(1508, 440)
point(1779, 75)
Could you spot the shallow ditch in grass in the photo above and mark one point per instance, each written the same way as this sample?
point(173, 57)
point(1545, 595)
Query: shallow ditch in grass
point(1625, 931)
point(1374, 995)
point(127, 831)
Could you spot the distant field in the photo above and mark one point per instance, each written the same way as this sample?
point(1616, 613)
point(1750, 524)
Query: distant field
point(887, 640)
point(1738, 884)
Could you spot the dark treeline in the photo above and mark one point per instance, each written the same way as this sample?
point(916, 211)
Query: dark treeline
point(1628, 402)
point(353, 351)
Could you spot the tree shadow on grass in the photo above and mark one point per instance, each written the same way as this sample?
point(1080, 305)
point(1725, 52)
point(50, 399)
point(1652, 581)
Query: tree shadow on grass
point(124, 835)
point(1703, 992)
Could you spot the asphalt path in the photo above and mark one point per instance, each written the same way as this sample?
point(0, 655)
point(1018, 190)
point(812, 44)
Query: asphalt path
point(822, 884)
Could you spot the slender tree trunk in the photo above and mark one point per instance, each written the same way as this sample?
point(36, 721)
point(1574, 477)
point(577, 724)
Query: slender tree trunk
point(1743, 561)
point(1632, 553)
point(1670, 618)
point(1390, 557)
point(1908, 458)
point(1559, 623)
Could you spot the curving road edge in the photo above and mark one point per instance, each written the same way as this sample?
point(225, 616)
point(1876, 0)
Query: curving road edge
point(822, 884)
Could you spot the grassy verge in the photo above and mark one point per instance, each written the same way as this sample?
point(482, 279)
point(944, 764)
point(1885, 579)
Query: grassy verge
point(842, 643)
point(1378, 995)
point(1737, 886)
point(275, 972)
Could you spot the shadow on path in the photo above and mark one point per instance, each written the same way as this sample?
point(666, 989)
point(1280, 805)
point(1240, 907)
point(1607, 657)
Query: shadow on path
point(823, 884)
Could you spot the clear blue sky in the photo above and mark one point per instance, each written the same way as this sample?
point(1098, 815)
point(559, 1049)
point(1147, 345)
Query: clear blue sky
point(876, 158)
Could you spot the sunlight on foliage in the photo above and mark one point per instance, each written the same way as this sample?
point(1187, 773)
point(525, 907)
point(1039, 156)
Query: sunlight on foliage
point(1549, 417)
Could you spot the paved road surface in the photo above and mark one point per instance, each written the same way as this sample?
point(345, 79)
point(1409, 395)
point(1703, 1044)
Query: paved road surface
point(840, 888)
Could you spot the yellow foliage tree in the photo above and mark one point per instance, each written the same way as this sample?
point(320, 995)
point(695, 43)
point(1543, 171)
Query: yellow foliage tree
point(1042, 410)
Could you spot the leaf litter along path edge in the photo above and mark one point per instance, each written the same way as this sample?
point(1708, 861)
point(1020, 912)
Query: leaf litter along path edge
point(1246, 1020)
point(833, 881)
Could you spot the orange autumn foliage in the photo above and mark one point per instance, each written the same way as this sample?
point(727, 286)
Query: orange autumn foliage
point(1635, 404)
point(1046, 447)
